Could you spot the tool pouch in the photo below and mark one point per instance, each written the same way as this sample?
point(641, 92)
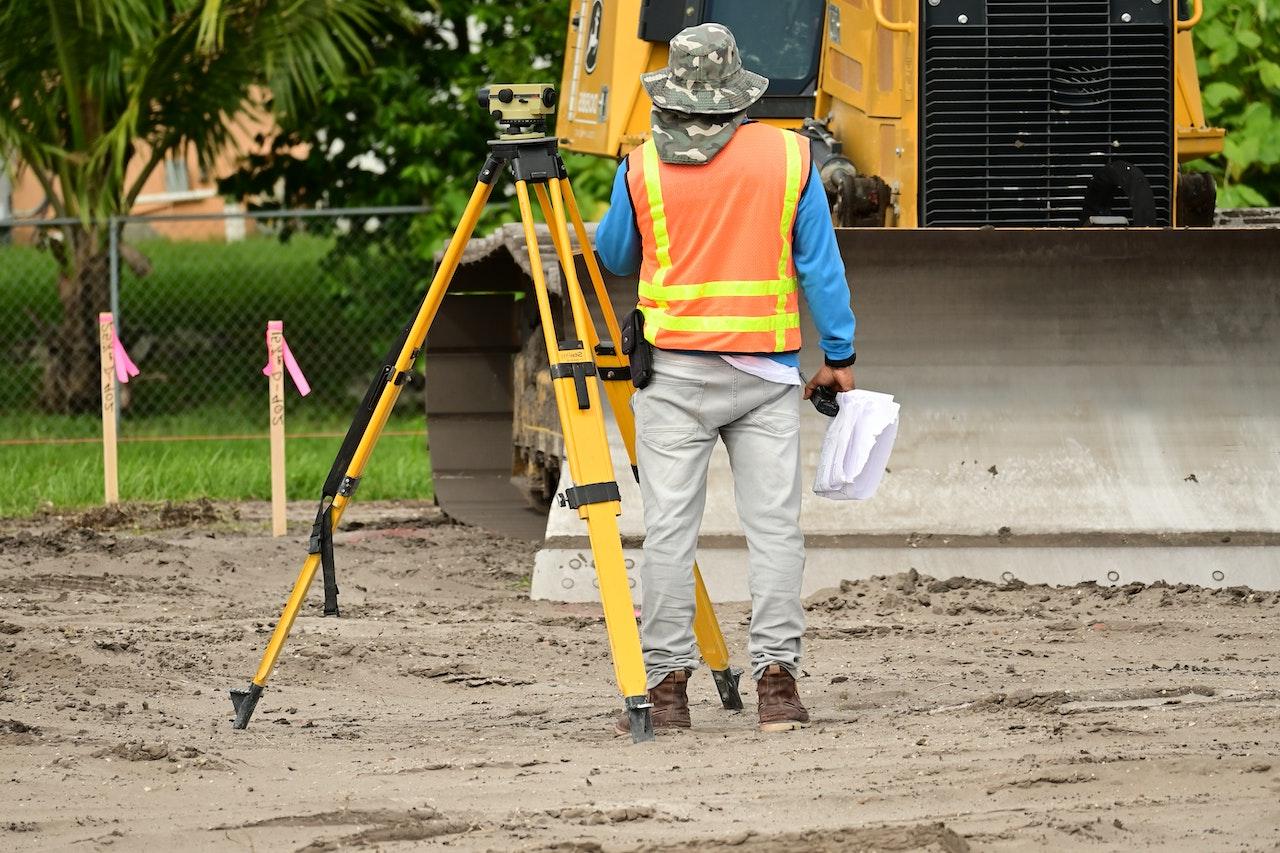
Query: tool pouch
point(638, 350)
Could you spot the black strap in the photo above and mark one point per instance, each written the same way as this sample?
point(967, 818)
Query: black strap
point(592, 493)
point(338, 483)
point(606, 349)
point(327, 564)
point(579, 371)
point(614, 374)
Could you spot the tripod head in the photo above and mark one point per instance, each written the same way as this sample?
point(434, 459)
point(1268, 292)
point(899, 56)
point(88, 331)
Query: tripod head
point(521, 109)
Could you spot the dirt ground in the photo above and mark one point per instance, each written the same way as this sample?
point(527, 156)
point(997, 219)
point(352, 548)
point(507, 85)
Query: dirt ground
point(446, 710)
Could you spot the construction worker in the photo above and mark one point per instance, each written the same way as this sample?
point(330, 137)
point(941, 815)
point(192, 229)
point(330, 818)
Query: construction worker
point(726, 220)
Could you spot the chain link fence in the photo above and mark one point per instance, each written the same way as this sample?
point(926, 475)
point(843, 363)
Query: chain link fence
point(192, 295)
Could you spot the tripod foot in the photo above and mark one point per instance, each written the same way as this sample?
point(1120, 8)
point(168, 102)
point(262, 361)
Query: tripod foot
point(245, 701)
point(639, 709)
point(727, 687)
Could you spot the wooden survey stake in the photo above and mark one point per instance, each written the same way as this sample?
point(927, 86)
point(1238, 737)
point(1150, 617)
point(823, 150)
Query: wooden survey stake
point(275, 354)
point(106, 348)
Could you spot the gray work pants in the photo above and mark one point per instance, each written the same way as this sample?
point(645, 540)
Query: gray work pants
point(694, 399)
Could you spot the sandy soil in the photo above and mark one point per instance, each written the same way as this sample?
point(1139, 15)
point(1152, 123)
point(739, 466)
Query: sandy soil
point(445, 709)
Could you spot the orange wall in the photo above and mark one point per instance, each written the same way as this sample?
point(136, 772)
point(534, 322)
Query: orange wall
point(201, 195)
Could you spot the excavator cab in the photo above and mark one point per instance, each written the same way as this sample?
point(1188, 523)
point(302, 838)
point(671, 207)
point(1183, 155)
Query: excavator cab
point(612, 42)
point(781, 39)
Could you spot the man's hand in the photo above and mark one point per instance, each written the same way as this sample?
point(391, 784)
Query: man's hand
point(836, 378)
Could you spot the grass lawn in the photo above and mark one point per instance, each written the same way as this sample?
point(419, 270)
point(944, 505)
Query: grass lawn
point(70, 475)
point(195, 326)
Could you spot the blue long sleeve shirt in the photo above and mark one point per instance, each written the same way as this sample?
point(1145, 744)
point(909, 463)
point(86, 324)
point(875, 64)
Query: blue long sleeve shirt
point(813, 248)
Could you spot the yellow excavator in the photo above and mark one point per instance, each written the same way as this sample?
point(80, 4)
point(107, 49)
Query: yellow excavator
point(1088, 369)
point(943, 113)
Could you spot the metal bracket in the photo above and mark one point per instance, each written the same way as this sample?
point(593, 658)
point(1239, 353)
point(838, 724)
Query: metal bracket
point(592, 493)
point(244, 701)
point(349, 486)
point(578, 371)
point(606, 349)
point(639, 710)
point(727, 686)
point(530, 160)
point(616, 374)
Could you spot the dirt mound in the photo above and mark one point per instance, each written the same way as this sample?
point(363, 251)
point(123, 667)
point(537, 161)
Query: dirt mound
point(911, 590)
point(593, 816)
point(175, 757)
point(423, 517)
point(379, 826)
point(25, 546)
point(145, 516)
point(931, 837)
point(135, 751)
point(1053, 700)
point(18, 733)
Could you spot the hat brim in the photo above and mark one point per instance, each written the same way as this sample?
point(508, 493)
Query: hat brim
point(737, 92)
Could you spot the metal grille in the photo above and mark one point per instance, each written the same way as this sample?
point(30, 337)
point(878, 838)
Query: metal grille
point(1026, 99)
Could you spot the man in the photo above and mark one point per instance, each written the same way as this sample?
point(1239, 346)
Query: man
point(723, 218)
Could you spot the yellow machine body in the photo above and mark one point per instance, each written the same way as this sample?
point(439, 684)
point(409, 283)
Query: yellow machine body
point(867, 89)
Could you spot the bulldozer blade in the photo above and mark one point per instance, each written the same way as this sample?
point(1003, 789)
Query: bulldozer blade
point(1077, 405)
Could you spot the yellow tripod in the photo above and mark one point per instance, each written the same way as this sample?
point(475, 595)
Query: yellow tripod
point(574, 362)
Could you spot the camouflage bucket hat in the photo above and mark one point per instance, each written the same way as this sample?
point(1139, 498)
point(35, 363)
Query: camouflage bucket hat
point(704, 74)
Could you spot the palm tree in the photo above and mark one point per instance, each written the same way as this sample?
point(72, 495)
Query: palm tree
point(96, 93)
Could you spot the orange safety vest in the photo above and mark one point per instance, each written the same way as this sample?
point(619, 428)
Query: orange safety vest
point(717, 273)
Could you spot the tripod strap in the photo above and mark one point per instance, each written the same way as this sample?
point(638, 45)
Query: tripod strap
point(338, 483)
point(322, 544)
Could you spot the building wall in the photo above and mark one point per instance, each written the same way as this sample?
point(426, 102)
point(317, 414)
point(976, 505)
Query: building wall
point(177, 186)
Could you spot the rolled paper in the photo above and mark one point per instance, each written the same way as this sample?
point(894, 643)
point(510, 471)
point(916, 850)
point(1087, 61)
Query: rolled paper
point(290, 363)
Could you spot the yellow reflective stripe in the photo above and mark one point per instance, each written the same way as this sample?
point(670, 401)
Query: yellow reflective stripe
point(790, 201)
point(682, 292)
point(664, 321)
point(658, 213)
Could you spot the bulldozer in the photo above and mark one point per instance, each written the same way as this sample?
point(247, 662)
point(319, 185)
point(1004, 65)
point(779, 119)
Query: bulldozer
point(1089, 370)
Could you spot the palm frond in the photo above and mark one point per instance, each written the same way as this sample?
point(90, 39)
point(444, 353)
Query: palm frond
point(90, 81)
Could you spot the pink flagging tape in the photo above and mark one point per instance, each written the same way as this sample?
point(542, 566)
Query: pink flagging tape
point(290, 363)
point(125, 368)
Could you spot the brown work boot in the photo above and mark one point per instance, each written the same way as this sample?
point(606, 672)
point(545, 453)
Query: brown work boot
point(670, 705)
point(780, 706)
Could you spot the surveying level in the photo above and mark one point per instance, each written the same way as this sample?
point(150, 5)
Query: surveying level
point(521, 110)
point(576, 362)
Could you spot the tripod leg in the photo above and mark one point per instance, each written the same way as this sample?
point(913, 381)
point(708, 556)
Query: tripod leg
point(245, 700)
point(564, 254)
point(595, 493)
point(706, 628)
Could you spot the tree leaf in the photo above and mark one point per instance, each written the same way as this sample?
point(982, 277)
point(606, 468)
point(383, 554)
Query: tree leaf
point(1225, 54)
point(1269, 74)
point(1241, 195)
point(1248, 38)
point(1238, 59)
point(1221, 92)
point(1213, 34)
